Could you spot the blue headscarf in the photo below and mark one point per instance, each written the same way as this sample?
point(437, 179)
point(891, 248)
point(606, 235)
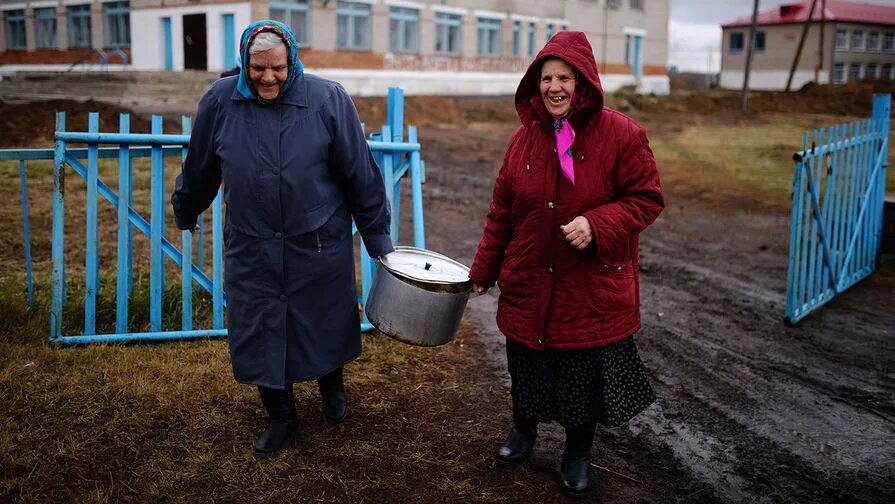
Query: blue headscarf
point(248, 35)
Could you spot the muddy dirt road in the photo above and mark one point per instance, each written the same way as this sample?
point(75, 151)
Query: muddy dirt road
point(753, 410)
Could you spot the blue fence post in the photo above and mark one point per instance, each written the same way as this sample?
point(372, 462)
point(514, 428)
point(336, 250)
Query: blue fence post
point(882, 110)
point(395, 121)
point(157, 223)
point(186, 257)
point(26, 235)
point(58, 247)
point(122, 285)
point(217, 296)
point(416, 183)
point(92, 253)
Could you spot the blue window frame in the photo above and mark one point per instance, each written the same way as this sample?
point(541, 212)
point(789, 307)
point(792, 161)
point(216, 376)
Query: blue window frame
point(736, 42)
point(517, 38)
point(532, 28)
point(15, 30)
point(45, 28)
point(354, 27)
point(447, 33)
point(78, 17)
point(404, 30)
point(296, 14)
point(117, 24)
point(627, 49)
point(488, 37)
point(550, 31)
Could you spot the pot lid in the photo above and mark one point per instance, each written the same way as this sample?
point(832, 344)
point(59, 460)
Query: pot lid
point(425, 266)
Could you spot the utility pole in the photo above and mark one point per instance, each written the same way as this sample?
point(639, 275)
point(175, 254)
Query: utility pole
point(744, 95)
point(820, 48)
point(795, 61)
point(605, 33)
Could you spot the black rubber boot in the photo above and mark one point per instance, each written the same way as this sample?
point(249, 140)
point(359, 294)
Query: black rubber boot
point(573, 472)
point(281, 424)
point(333, 399)
point(518, 444)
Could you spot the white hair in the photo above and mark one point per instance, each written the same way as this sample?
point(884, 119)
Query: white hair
point(265, 41)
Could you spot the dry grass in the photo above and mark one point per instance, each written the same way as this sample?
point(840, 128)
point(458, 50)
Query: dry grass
point(748, 164)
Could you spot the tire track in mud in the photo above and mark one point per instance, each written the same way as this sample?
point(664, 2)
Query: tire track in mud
point(790, 412)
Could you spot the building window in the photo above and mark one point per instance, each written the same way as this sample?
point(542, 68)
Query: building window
point(758, 44)
point(736, 42)
point(549, 31)
point(517, 39)
point(447, 33)
point(839, 73)
point(627, 49)
point(532, 27)
point(870, 71)
point(117, 24)
point(404, 30)
point(296, 14)
point(857, 40)
point(873, 41)
point(45, 28)
point(353, 27)
point(15, 30)
point(489, 37)
point(841, 40)
point(637, 4)
point(78, 26)
point(886, 72)
point(854, 72)
point(889, 43)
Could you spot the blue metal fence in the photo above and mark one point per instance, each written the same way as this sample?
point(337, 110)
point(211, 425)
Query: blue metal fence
point(838, 193)
point(399, 160)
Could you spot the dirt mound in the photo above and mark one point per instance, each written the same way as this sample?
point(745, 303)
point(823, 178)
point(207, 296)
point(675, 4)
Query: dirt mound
point(33, 124)
point(853, 99)
point(441, 110)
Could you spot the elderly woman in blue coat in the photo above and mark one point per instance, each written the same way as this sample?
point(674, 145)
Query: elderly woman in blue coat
point(290, 150)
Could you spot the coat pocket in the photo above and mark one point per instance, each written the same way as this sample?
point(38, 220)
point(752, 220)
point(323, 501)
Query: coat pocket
point(611, 286)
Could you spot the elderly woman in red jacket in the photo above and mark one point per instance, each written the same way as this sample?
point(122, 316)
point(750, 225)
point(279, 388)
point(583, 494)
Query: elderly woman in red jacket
point(577, 186)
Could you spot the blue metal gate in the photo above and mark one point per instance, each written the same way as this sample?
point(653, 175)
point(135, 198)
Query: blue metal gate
point(838, 193)
point(399, 160)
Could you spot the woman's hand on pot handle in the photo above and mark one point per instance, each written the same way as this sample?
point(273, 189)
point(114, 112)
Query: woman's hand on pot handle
point(578, 232)
point(479, 289)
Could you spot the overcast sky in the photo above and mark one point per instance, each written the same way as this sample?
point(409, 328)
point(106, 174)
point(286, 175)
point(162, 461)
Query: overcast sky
point(695, 31)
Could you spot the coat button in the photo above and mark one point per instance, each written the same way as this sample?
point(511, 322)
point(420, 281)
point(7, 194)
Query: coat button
point(540, 342)
point(276, 172)
point(278, 235)
point(283, 297)
point(549, 269)
point(549, 204)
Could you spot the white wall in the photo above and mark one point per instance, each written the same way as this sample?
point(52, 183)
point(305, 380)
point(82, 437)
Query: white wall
point(148, 45)
point(377, 82)
point(769, 80)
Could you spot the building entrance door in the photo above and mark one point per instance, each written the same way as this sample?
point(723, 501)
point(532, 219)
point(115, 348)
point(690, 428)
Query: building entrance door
point(195, 42)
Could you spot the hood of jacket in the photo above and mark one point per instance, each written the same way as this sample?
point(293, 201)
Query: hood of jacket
point(573, 48)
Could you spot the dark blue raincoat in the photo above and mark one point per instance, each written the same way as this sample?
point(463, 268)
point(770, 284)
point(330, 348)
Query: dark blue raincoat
point(295, 172)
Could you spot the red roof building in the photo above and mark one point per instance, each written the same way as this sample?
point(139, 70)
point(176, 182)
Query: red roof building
point(846, 41)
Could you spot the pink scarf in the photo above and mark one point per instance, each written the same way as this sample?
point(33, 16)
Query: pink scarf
point(565, 137)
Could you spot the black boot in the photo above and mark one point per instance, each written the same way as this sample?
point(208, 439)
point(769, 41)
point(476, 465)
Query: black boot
point(281, 424)
point(333, 399)
point(573, 472)
point(518, 444)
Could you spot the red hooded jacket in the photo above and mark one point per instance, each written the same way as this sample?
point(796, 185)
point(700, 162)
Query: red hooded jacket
point(553, 295)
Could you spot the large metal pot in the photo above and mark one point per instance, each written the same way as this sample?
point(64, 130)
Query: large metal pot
point(418, 296)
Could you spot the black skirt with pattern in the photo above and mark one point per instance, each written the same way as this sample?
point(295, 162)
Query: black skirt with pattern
point(606, 385)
